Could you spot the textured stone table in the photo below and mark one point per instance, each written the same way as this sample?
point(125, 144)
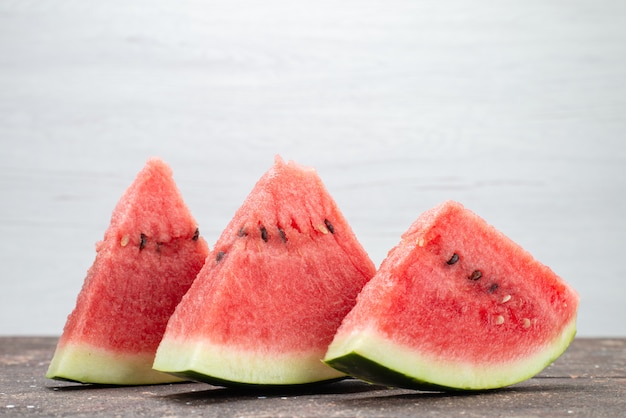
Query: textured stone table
point(588, 380)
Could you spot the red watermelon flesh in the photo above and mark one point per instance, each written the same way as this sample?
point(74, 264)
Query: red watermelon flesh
point(456, 305)
point(148, 259)
point(280, 279)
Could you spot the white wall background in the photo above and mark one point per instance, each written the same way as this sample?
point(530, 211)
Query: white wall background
point(515, 108)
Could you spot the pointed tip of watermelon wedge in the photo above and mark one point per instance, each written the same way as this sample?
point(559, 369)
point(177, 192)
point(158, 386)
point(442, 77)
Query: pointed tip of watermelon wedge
point(292, 169)
point(157, 163)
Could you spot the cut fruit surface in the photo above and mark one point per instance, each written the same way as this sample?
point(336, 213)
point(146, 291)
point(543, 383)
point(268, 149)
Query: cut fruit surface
point(456, 305)
point(267, 303)
point(148, 259)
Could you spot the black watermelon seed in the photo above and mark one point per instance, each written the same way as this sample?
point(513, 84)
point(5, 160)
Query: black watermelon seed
point(476, 274)
point(219, 256)
point(282, 234)
point(196, 234)
point(143, 241)
point(453, 259)
point(330, 226)
point(264, 234)
point(493, 287)
point(242, 232)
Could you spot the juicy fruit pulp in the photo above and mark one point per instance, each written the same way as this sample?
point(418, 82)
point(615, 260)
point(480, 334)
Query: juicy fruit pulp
point(149, 257)
point(456, 304)
point(274, 290)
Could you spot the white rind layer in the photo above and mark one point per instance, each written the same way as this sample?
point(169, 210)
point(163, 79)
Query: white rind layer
point(246, 367)
point(88, 364)
point(444, 372)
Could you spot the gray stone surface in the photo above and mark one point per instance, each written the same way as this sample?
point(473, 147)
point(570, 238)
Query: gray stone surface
point(589, 379)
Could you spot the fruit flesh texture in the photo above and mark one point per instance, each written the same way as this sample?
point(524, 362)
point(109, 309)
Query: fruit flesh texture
point(514, 314)
point(285, 271)
point(149, 257)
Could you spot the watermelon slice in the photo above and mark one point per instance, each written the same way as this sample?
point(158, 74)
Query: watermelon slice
point(278, 282)
point(455, 305)
point(149, 257)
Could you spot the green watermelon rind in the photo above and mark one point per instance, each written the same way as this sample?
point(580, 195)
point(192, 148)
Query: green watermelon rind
point(377, 360)
point(85, 363)
point(224, 365)
point(362, 368)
